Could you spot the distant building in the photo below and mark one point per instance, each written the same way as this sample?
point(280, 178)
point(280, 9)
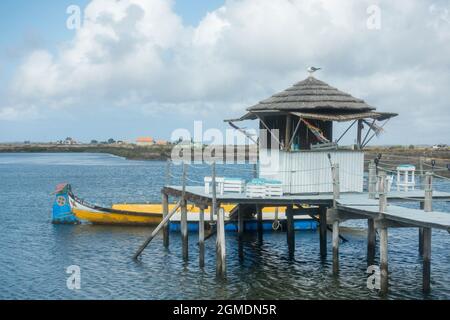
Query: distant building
point(145, 141)
point(162, 142)
point(69, 141)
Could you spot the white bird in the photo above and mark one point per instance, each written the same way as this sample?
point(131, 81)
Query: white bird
point(311, 70)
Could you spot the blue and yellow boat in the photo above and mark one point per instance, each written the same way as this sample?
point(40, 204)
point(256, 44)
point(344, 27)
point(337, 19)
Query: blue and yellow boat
point(69, 209)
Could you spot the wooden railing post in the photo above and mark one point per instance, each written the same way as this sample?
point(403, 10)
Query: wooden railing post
point(372, 180)
point(383, 234)
point(426, 241)
point(336, 183)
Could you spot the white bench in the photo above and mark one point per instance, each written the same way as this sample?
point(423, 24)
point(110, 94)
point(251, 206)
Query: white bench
point(219, 185)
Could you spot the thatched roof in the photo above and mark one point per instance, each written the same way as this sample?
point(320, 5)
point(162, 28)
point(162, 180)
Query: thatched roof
point(312, 94)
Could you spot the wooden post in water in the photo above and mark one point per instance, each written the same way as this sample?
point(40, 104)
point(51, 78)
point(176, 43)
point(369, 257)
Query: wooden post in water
point(220, 243)
point(220, 225)
point(241, 227)
point(165, 205)
point(323, 231)
point(336, 246)
point(428, 207)
point(371, 241)
point(201, 237)
point(259, 222)
point(183, 222)
point(372, 180)
point(336, 196)
point(290, 230)
point(422, 207)
point(383, 236)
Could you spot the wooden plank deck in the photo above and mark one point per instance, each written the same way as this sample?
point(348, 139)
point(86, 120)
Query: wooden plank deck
point(198, 194)
point(357, 203)
point(411, 217)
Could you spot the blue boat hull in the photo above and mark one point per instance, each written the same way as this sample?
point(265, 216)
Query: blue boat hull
point(299, 225)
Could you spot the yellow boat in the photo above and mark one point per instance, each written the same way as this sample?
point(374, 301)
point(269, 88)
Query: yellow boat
point(69, 209)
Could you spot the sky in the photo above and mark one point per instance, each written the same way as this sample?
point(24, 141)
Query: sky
point(148, 67)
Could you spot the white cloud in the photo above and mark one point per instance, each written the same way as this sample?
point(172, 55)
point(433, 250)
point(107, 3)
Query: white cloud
point(138, 54)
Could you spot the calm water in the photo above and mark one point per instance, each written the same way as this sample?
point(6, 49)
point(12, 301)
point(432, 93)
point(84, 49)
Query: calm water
point(34, 253)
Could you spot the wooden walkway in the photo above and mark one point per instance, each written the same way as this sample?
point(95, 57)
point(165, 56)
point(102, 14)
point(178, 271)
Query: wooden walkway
point(329, 209)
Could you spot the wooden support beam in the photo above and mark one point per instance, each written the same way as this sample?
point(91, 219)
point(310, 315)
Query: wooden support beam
point(428, 207)
point(371, 242)
point(183, 222)
point(201, 237)
point(290, 231)
point(384, 275)
point(220, 245)
point(156, 231)
point(336, 247)
point(323, 231)
point(359, 134)
point(184, 231)
point(259, 221)
point(426, 260)
point(166, 228)
point(241, 227)
point(422, 207)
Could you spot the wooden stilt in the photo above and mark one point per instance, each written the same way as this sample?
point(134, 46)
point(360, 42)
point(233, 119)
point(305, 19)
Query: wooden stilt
point(183, 222)
point(384, 275)
point(201, 237)
point(165, 204)
point(290, 230)
point(259, 222)
point(184, 231)
point(156, 231)
point(426, 259)
point(336, 247)
point(422, 206)
point(220, 245)
point(371, 242)
point(323, 231)
point(241, 227)
point(426, 251)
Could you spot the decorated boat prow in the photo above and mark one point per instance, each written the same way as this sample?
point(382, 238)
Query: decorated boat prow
point(62, 210)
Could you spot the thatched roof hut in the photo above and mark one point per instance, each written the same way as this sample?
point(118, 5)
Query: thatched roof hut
point(312, 104)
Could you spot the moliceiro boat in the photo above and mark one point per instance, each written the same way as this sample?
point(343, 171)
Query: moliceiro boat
point(69, 209)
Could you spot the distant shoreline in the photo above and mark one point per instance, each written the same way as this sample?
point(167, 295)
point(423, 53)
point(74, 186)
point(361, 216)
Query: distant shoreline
point(130, 152)
point(392, 154)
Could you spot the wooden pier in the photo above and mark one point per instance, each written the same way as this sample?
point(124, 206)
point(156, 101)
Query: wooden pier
point(329, 209)
point(317, 177)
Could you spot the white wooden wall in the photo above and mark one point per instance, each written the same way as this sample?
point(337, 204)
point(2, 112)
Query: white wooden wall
point(310, 172)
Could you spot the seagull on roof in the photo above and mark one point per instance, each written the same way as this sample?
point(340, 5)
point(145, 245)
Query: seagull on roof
point(311, 70)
